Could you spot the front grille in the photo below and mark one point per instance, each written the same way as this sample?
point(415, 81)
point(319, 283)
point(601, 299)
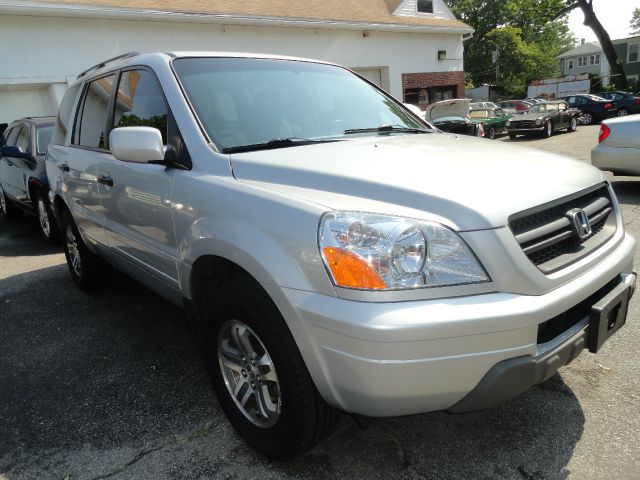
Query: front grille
point(546, 234)
point(550, 329)
point(524, 124)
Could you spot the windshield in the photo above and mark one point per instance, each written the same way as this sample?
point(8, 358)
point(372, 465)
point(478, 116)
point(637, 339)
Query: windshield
point(43, 138)
point(250, 101)
point(542, 107)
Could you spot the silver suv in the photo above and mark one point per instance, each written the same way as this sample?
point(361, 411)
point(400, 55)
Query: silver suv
point(332, 250)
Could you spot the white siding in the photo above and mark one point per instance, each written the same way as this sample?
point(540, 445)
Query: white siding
point(58, 47)
point(408, 9)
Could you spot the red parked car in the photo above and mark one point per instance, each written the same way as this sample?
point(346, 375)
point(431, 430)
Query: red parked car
point(514, 107)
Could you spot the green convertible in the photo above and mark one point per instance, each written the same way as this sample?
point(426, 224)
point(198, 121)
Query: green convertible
point(493, 120)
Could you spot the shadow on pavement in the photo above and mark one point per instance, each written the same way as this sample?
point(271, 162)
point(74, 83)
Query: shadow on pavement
point(20, 237)
point(117, 371)
point(627, 189)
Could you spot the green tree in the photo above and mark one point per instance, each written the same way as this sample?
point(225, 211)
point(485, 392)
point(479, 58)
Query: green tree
point(635, 22)
point(526, 34)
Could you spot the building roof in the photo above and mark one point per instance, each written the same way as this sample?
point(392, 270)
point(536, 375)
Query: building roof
point(584, 49)
point(374, 12)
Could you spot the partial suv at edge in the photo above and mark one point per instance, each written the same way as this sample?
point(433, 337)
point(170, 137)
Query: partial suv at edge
point(332, 250)
point(23, 176)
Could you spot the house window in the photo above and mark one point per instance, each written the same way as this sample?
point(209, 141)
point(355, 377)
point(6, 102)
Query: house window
point(633, 51)
point(562, 65)
point(425, 6)
point(570, 62)
point(592, 60)
point(597, 59)
point(579, 61)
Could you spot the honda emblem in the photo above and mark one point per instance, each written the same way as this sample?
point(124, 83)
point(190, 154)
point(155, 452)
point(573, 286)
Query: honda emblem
point(580, 223)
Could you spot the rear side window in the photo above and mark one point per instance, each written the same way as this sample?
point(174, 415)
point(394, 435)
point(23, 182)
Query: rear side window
point(92, 121)
point(140, 102)
point(43, 138)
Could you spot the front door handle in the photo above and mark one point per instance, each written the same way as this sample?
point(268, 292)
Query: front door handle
point(63, 167)
point(105, 180)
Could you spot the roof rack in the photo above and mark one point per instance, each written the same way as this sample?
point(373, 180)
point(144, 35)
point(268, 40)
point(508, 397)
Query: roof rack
point(102, 64)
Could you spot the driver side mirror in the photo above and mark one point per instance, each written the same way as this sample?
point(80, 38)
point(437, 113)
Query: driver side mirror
point(13, 151)
point(137, 144)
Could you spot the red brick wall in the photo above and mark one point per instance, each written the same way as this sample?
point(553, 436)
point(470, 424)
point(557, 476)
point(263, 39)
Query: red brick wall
point(434, 79)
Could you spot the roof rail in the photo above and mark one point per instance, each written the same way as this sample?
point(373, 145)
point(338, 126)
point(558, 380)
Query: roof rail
point(102, 64)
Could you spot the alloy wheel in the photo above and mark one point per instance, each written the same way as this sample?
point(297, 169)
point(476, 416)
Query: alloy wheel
point(43, 217)
point(622, 113)
point(574, 124)
point(585, 119)
point(249, 373)
point(73, 251)
point(549, 129)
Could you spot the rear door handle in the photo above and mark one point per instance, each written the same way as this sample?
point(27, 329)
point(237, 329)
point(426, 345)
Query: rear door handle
point(105, 180)
point(63, 167)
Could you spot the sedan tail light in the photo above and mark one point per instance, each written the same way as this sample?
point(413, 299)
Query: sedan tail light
point(607, 106)
point(638, 101)
point(604, 132)
point(520, 107)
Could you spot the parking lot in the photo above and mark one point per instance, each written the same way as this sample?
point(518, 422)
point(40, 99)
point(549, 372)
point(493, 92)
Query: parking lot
point(109, 385)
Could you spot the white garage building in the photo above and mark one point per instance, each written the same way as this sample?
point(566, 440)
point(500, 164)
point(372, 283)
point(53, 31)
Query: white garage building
point(412, 48)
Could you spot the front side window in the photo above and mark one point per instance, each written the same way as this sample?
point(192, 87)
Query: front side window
point(23, 139)
point(92, 121)
point(140, 102)
point(248, 101)
point(425, 6)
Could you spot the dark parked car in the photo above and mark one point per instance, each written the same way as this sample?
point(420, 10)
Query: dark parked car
point(593, 108)
point(23, 177)
point(545, 118)
point(453, 116)
point(627, 104)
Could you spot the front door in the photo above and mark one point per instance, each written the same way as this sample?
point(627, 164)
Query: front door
point(136, 198)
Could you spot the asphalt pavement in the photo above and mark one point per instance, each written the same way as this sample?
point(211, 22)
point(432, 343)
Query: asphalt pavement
point(109, 385)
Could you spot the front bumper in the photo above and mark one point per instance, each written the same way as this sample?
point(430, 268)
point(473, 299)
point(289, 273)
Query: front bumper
point(525, 130)
point(390, 359)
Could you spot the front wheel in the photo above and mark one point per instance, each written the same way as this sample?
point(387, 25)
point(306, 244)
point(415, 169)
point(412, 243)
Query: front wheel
point(573, 125)
point(548, 129)
point(586, 119)
point(7, 208)
point(87, 269)
point(48, 228)
point(492, 133)
point(512, 136)
point(258, 373)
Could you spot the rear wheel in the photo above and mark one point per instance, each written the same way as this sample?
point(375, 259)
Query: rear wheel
point(48, 228)
point(623, 112)
point(87, 269)
point(259, 375)
point(7, 208)
point(573, 125)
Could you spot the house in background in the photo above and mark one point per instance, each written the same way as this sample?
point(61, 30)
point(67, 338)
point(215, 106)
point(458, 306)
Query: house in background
point(411, 48)
point(628, 50)
point(587, 57)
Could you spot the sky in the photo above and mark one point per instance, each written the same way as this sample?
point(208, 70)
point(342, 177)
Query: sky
point(613, 14)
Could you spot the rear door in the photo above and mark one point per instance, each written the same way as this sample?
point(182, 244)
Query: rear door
point(12, 167)
point(136, 198)
point(79, 162)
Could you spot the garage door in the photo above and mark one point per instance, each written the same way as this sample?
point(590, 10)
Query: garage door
point(374, 75)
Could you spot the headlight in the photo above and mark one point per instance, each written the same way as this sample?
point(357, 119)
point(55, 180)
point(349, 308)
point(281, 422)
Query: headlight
point(376, 252)
point(508, 122)
point(538, 122)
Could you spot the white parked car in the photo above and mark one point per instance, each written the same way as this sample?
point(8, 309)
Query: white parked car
point(618, 149)
point(333, 251)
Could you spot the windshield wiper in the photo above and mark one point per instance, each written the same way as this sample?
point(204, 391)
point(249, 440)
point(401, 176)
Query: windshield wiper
point(387, 128)
point(276, 143)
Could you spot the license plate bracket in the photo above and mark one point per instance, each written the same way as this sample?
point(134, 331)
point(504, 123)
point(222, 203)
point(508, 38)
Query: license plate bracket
point(608, 315)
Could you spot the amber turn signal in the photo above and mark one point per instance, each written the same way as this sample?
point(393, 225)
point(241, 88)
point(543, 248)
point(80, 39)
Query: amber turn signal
point(351, 270)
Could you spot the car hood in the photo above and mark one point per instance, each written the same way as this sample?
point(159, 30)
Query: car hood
point(447, 108)
point(464, 182)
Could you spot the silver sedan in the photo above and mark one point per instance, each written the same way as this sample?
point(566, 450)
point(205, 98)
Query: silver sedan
point(618, 148)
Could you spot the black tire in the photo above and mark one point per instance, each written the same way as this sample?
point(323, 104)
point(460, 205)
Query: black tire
point(492, 133)
point(548, 129)
point(304, 418)
point(47, 224)
point(7, 208)
point(573, 125)
point(93, 271)
point(512, 136)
